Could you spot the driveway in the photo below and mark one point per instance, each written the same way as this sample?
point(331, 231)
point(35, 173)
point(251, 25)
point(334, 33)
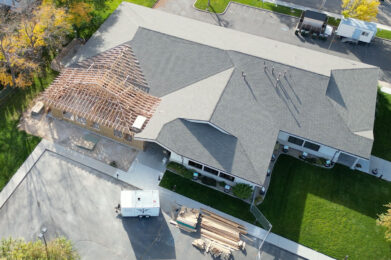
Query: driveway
point(281, 28)
point(77, 202)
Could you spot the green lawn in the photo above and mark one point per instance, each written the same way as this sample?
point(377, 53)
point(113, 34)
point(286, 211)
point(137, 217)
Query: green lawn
point(383, 34)
point(332, 211)
point(102, 10)
point(382, 129)
point(15, 145)
point(208, 196)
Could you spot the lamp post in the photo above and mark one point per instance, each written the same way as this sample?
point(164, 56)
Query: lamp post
point(41, 235)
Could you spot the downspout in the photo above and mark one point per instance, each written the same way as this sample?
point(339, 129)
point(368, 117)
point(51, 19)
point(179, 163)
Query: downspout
point(332, 159)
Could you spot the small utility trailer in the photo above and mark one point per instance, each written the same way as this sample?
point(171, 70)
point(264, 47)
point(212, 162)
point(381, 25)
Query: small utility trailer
point(140, 203)
point(354, 30)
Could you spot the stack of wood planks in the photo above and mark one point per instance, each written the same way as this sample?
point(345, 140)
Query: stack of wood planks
point(187, 219)
point(224, 232)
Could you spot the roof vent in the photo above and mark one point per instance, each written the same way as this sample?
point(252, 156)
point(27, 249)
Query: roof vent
point(138, 123)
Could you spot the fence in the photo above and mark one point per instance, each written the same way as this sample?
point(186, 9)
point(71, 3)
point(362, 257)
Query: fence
point(265, 224)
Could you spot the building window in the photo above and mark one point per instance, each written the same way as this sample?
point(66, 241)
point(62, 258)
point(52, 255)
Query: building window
point(226, 176)
point(128, 137)
point(117, 133)
point(81, 120)
point(210, 170)
point(312, 146)
point(195, 165)
point(95, 126)
point(295, 140)
point(364, 34)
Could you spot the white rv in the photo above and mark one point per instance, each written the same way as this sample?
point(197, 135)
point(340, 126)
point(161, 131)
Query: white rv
point(356, 30)
point(139, 203)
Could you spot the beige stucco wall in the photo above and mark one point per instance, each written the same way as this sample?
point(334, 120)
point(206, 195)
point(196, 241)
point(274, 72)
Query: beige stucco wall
point(103, 130)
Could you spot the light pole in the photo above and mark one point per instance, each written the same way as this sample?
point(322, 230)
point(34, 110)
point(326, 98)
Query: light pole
point(41, 235)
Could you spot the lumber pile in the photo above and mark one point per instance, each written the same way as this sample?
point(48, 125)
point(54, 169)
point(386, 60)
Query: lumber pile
point(213, 248)
point(187, 219)
point(224, 232)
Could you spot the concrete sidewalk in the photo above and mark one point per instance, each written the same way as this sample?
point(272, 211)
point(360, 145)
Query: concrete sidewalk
point(383, 168)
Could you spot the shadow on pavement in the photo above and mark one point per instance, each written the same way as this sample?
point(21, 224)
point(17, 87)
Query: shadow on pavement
point(150, 238)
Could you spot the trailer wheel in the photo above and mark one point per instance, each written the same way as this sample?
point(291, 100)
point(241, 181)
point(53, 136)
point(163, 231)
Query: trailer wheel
point(147, 216)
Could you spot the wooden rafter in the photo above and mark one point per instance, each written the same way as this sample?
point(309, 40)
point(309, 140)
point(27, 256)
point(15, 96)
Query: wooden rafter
point(108, 89)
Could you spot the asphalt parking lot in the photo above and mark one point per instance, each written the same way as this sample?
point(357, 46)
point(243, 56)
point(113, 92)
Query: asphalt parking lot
point(78, 202)
point(334, 6)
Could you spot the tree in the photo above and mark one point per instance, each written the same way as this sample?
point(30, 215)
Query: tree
point(365, 10)
point(15, 70)
point(242, 190)
point(385, 221)
point(80, 13)
point(44, 26)
point(59, 248)
point(25, 36)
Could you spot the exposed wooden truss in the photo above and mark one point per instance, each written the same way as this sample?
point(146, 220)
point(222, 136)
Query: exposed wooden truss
point(108, 89)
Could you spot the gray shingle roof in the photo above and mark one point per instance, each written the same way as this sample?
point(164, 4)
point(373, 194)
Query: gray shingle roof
point(176, 52)
point(349, 92)
point(256, 108)
point(206, 144)
point(170, 63)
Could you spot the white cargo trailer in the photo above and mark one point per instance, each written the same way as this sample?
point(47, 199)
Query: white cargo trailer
point(139, 203)
point(356, 30)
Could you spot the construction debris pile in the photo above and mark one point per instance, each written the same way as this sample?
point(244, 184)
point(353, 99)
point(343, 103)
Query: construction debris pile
point(219, 236)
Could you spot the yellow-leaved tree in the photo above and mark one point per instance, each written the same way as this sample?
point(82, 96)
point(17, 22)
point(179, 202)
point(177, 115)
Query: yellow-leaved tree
point(385, 221)
point(59, 248)
point(23, 38)
point(47, 26)
point(15, 70)
point(80, 12)
point(365, 10)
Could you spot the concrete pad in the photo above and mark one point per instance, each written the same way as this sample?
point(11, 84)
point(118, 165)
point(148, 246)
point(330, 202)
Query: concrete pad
point(71, 136)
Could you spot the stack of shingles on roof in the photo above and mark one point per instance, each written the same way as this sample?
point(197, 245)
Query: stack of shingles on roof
point(108, 89)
